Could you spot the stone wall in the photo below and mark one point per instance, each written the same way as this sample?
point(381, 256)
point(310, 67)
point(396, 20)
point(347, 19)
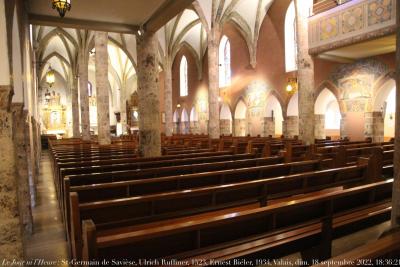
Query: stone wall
point(240, 127)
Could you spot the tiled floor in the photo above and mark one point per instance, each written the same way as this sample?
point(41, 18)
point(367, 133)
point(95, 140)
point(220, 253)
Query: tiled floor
point(48, 241)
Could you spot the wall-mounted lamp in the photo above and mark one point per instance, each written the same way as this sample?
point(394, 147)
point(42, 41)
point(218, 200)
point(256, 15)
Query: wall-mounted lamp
point(219, 99)
point(291, 86)
point(178, 106)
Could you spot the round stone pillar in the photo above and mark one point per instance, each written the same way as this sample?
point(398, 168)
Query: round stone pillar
point(269, 126)
point(148, 92)
point(169, 124)
point(83, 94)
point(102, 88)
point(305, 73)
point(319, 130)
point(374, 126)
point(213, 82)
point(75, 108)
point(396, 161)
point(290, 126)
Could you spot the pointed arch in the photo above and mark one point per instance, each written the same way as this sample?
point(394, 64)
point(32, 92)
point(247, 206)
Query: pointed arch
point(293, 105)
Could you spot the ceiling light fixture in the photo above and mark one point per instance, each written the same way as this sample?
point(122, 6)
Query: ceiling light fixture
point(62, 6)
point(50, 77)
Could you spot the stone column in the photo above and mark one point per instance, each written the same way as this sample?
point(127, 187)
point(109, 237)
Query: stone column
point(21, 160)
point(269, 126)
point(169, 124)
point(124, 116)
point(305, 73)
point(374, 126)
point(10, 229)
point(343, 130)
point(290, 126)
point(213, 82)
point(75, 108)
point(396, 161)
point(83, 94)
point(102, 88)
point(319, 130)
point(148, 92)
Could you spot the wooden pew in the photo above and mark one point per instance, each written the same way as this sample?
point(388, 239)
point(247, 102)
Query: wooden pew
point(310, 222)
point(153, 207)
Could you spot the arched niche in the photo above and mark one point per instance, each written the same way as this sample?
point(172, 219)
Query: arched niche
point(17, 62)
point(194, 121)
point(225, 117)
point(274, 109)
point(184, 121)
point(240, 122)
point(327, 115)
point(176, 120)
point(293, 106)
point(385, 102)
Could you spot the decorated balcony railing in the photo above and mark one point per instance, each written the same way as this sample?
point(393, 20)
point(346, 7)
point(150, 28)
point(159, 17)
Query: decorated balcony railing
point(352, 22)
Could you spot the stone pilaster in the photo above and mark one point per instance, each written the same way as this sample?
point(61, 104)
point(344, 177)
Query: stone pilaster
point(75, 108)
point(102, 88)
point(148, 92)
point(396, 161)
point(374, 126)
point(10, 230)
point(21, 159)
point(290, 126)
point(213, 82)
point(194, 127)
point(176, 128)
point(268, 126)
point(83, 94)
point(225, 127)
point(240, 127)
point(169, 124)
point(305, 73)
point(319, 130)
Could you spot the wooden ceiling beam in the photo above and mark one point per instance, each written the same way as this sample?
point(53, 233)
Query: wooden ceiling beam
point(82, 24)
point(165, 13)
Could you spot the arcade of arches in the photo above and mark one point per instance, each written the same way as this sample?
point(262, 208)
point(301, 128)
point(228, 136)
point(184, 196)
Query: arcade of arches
point(216, 68)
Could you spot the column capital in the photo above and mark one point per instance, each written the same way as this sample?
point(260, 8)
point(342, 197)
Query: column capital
point(6, 94)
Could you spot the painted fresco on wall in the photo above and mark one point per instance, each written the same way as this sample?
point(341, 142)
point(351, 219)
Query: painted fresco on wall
point(256, 97)
point(356, 83)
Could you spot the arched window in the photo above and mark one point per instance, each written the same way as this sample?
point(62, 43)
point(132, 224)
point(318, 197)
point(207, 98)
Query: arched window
point(290, 39)
point(183, 73)
point(90, 89)
point(224, 62)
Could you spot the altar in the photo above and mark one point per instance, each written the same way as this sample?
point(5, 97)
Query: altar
point(54, 115)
